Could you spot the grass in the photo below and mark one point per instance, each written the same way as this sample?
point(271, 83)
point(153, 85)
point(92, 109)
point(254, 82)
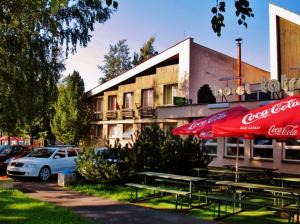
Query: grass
point(17, 208)
point(167, 203)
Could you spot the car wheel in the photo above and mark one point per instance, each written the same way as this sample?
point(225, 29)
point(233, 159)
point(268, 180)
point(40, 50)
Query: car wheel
point(45, 173)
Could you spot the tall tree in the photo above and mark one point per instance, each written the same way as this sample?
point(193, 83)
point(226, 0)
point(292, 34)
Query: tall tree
point(70, 116)
point(116, 61)
point(33, 35)
point(145, 53)
point(242, 11)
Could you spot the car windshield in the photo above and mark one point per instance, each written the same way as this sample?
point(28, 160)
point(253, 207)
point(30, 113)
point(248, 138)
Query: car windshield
point(3, 147)
point(6, 151)
point(42, 153)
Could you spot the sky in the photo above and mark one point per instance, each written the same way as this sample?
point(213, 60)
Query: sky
point(172, 21)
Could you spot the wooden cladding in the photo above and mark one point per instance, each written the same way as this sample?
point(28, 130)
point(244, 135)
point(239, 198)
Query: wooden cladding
point(97, 116)
point(146, 112)
point(289, 48)
point(111, 114)
point(127, 113)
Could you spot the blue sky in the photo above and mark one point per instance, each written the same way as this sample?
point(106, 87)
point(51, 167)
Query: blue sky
point(171, 21)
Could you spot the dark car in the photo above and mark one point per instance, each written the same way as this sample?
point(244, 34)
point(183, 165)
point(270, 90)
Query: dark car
point(10, 152)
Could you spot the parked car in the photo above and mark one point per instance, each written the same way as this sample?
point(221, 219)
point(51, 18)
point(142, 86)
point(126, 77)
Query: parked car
point(11, 152)
point(44, 162)
point(111, 156)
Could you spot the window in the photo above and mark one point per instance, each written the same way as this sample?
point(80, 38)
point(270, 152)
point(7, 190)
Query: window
point(98, 131)
point(169, 127)
point(128, 100)
point(99, 105)
point(147, 98)
point(60, 154)
point(71, 153)
point(112, 102)
point(211, 146)
point(127, 131)
point(146, 125)
point(169, 92)
point(262, 148)
point(113, 131)
point(292, 150)
point(231, 147)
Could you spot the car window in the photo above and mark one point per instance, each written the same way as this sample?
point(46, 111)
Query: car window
point(16, 149)
point(42, 153)
point(60, 154)
point(71, 152)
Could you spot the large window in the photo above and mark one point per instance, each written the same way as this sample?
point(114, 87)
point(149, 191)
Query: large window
point(113, 131)
point(211, 146)
point(127, 131)
point(292, 150)
point(169, 126)
point(262, 148)
point(147, 98)
point(98, 131)
point(99, 105)
point(112, 102)
point(169, 92)
point(231, 147)
point(128, 100)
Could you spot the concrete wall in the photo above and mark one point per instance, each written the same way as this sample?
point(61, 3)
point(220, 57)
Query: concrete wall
point(208, 66)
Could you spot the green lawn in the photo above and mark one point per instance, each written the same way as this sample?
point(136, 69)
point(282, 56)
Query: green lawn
point(17, 208)
point(168, 203)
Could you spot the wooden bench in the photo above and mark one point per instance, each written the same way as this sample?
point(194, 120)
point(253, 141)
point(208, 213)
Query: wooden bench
point(216, 199)
point(178, 193)
point(171, 181)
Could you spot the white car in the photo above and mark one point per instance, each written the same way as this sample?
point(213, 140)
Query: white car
point(43, 162)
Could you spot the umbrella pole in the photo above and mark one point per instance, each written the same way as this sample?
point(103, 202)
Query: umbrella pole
point(237, 161)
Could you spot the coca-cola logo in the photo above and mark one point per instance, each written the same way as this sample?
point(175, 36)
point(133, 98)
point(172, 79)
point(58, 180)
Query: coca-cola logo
point(283, 106)
point(289, 130)
point(207, 121)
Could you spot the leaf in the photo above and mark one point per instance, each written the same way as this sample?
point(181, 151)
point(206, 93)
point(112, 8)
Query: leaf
point(246, 25)
point(214, 10)
point(240, 22)
point(115, 4)
point(108, 2)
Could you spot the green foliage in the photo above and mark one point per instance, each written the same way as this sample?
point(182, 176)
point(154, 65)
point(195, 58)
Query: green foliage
point(113, 166)
point(152, 150)
point(243, 10)
point(33, 36)
point(116, 61)
point(70, 118)
point(146, 52)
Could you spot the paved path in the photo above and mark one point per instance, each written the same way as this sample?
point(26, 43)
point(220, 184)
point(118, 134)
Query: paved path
point(103, 210)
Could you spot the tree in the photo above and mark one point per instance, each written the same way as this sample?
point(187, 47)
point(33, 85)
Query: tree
point(146, 52)
point(70, 118)
point(33, 36)
point(243, 10)
point(116, 61)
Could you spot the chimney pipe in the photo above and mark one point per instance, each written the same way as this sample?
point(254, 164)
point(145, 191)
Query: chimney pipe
point(239, 64)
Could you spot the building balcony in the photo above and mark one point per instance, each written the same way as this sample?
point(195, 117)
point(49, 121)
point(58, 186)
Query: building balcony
point(146, 112)
point(97, 116)
point(111, 114)
point(127, 113)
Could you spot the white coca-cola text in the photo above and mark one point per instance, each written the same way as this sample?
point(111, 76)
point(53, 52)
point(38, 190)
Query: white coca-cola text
point(289, 130)
point(252, 117)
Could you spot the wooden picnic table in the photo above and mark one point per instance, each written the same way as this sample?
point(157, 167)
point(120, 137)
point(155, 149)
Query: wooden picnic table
point(221, 172)
point(269, 188)
point(189, 179)
point(288, 179)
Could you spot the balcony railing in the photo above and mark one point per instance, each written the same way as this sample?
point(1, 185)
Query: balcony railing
point(146, 112)
point(97, 116)
point(127, 113)
point(111, 114)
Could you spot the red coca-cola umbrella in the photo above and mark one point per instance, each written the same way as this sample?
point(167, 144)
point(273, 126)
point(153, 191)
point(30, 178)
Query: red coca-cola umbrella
point(203, 127)
point(5, 138)
point(278, 120)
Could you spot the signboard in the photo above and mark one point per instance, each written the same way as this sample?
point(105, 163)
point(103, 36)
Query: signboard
point(179, 101)
point(273, 86)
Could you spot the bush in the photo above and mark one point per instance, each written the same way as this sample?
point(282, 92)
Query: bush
point(152, 150)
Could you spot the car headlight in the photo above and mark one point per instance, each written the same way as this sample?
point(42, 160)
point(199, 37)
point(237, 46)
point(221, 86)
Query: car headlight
point(8, 160)
point(30, 165)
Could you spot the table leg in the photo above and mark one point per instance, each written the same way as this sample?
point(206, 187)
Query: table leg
point(191, 189)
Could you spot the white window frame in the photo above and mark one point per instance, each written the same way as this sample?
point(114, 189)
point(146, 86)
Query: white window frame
point(100, 101)
point(293, 147)
point(127, 135)
point(147, 104)
point(131, 100)
point(174, 88)
point(261, 147)
point(212, 144)
point(233, 145)
point(110, 106)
